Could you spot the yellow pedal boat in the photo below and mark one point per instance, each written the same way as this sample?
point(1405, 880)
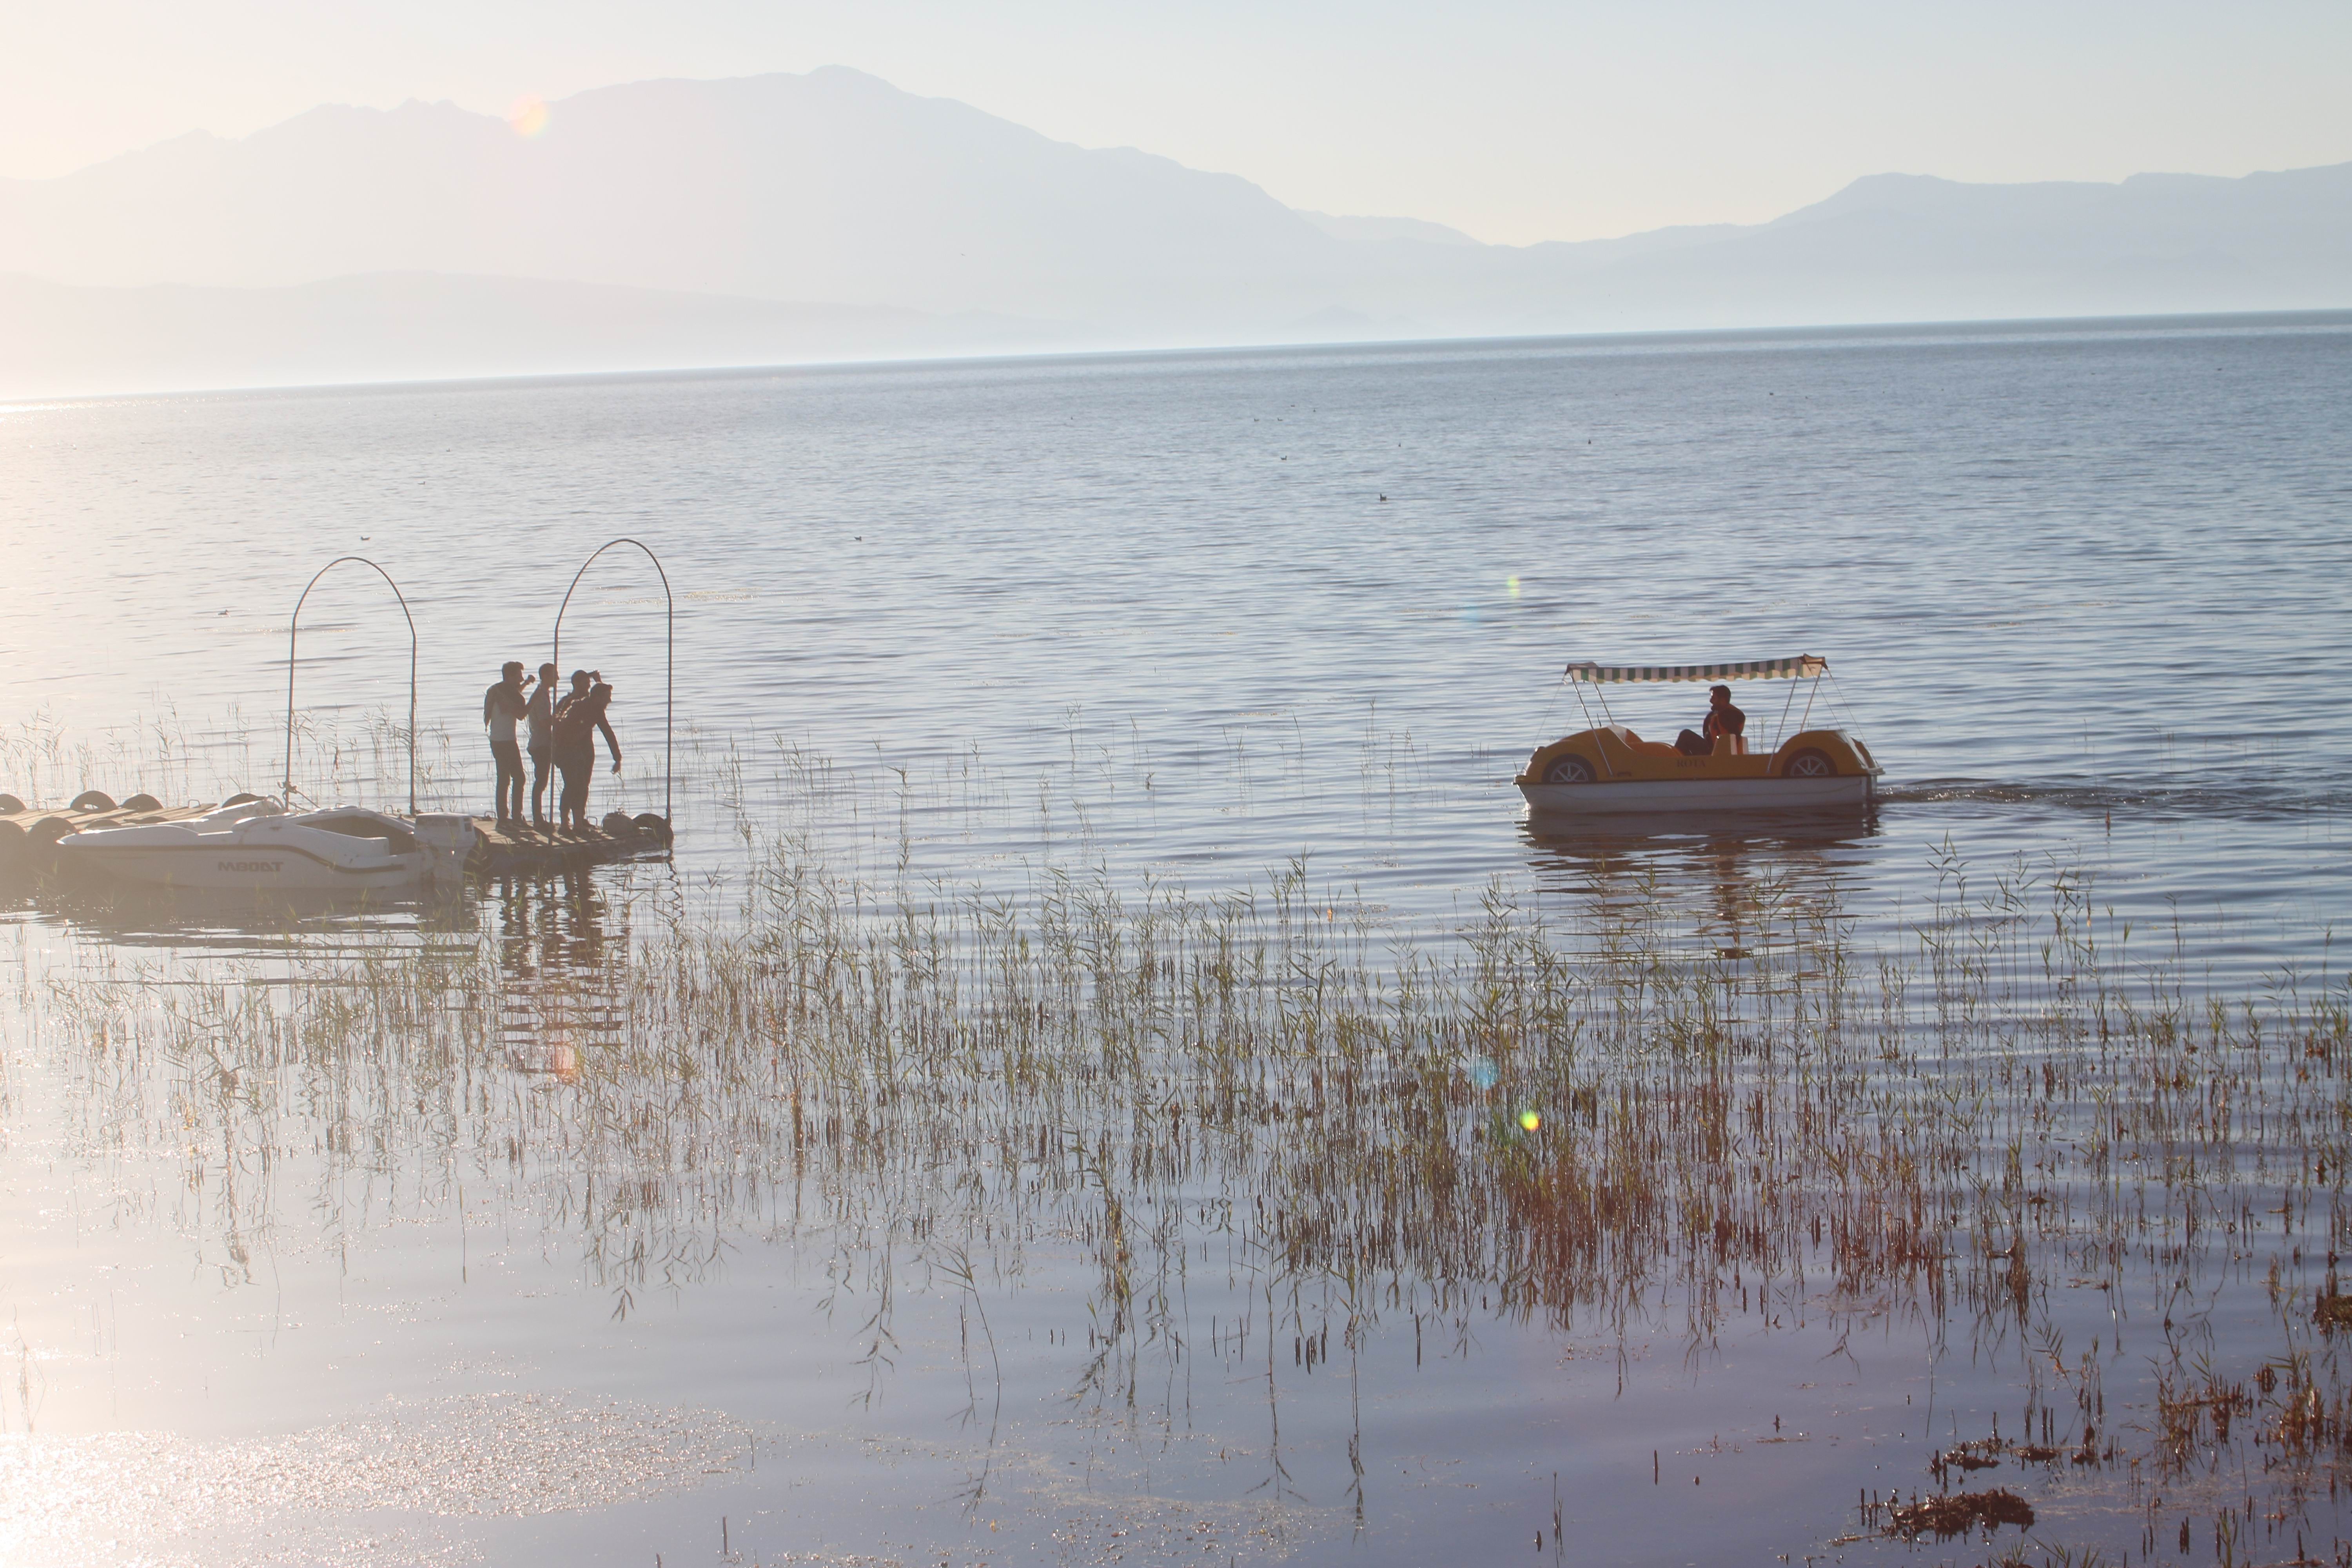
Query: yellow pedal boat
point(1609, 768)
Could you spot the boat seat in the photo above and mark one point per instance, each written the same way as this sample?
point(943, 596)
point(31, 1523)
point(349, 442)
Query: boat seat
point(1654, 748)
point(1731, 745)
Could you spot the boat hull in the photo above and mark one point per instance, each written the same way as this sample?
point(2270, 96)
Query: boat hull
point(258, 847)
point(254, 867)
point(1649, 795)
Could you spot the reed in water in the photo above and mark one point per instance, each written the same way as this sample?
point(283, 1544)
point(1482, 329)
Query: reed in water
point(1603, 1124)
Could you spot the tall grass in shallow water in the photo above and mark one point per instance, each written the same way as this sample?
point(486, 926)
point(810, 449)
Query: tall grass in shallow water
point(1604, 1123)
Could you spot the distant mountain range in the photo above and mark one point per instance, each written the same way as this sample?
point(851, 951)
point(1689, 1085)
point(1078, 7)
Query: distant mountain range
point(832, 217)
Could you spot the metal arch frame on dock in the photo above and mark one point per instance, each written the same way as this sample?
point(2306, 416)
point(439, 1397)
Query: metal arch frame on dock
point(669, 652)
point(293, 629)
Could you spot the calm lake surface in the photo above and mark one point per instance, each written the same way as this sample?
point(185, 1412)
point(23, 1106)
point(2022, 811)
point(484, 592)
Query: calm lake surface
point(1186, 622)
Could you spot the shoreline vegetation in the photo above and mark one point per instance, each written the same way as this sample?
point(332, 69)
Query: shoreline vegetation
point(358, 757)
point(1604, 1122)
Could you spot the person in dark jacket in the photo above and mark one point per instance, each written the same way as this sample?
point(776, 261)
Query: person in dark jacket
point(1722, 718)
point(540, 713)
point(576, 727)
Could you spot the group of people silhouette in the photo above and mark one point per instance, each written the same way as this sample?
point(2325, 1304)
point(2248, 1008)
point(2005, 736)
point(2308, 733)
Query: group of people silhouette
point(562, 739)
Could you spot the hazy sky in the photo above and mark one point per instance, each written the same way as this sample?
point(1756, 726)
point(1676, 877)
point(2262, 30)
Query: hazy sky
point(1516, 121)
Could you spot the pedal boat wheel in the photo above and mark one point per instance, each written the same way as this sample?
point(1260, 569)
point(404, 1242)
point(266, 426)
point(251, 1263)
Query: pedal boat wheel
point(1568, 769)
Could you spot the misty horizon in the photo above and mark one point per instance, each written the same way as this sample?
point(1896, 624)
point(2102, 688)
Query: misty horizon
point(828, 215)
point(529, 118)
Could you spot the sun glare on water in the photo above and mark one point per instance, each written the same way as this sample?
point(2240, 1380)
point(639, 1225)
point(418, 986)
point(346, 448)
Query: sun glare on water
point(529, 115)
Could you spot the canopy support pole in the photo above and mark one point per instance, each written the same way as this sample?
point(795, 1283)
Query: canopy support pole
point(1589, 725)
point(1581, 706)
point(1781, 732)
point(293, 629)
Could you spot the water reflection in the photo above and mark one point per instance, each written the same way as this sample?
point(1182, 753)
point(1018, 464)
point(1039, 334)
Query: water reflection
point(1722, 875)
point(556, 941)
point(232, 922)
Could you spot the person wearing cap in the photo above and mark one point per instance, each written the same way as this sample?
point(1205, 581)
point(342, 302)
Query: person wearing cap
point(1722, 720)
point(502, 704)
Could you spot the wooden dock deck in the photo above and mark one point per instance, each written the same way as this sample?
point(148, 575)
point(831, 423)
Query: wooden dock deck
point(526, 851)
point(29, 836)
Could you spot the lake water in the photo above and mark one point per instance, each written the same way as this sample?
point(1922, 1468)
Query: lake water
point(1173, 620)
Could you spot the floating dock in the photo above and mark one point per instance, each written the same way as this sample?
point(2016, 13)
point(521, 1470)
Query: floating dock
point(29, 836)
point(521, 850)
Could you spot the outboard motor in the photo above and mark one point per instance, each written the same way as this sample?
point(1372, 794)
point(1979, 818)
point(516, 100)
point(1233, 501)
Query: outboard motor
point(448, 843)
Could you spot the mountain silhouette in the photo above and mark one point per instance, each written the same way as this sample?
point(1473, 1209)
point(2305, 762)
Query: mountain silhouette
point(831, 215)
point(830, 186)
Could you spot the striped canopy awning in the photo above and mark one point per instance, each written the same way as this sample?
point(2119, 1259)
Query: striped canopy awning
point(1803, 666)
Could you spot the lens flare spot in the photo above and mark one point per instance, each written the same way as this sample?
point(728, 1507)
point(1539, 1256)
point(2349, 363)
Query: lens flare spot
point(1530, 1122)
point(1511, 585)
point(1482, 1074)
point(529, 115)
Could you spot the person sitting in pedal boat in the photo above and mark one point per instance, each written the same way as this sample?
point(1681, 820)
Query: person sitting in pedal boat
point(1722, 720)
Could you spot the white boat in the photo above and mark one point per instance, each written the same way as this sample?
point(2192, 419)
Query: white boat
point(1699, 795)
point(259, 846)
point(1608, 769)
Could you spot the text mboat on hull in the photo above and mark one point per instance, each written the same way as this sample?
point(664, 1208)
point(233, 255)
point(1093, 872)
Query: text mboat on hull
point(1609, 768)
point(260, 847)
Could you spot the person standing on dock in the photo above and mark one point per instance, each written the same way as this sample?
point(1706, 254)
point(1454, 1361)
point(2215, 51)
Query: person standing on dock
point(541, 745)
point(501, 705)
point(575, 746)
point(563, 705)
point(580, 685)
